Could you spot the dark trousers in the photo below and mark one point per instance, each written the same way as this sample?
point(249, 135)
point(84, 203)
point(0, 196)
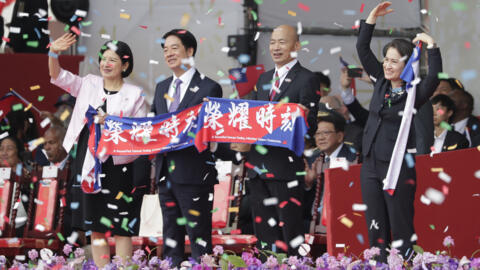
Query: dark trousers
point(192, 202)
point(288, 217)
point(388, 216)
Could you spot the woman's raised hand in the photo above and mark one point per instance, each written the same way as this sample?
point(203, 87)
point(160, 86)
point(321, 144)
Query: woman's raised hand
point(380, 10)
point(62, 43)
point(425, 38)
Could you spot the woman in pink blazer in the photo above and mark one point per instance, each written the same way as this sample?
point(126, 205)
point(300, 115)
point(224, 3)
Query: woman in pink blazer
point(108, 211)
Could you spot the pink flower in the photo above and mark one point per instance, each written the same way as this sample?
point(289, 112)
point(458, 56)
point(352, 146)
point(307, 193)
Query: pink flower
point(395, 260)
point(67, 249)
point(32, 254)
point(448, 241)
point(370, 253)
point(217, 250)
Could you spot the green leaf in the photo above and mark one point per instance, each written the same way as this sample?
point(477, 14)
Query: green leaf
point(224, 264)
point(281, 257)
point(237, 261)
point(418, 249)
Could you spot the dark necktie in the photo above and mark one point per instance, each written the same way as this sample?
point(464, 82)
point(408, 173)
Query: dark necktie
point(277, 84)
point(176, 96)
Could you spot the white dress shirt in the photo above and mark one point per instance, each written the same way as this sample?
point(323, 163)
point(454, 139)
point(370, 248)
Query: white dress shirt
point(461, 127)
point(439, 141)
point(333, 155)
point(186, 78)
point(282, 73)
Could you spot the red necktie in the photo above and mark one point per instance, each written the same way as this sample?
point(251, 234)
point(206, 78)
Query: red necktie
point(277, 84)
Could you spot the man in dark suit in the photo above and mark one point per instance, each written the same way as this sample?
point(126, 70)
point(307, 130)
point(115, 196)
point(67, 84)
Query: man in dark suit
point(329, 139)
point(277, 188)
point(463, 120)
point(445, 140)
point(185, 177)
point(353, 130)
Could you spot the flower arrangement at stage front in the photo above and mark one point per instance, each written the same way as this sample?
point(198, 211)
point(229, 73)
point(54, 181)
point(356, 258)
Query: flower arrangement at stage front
point(224, 259)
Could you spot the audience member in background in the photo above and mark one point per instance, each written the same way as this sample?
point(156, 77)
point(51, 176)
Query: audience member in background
point(64, 105)
point(445, 139)
point(463, 121)
point(329, 139)
point(324, 83)
point(52, 146)
point(353, 130)
point(22, 125)
point(12, 154)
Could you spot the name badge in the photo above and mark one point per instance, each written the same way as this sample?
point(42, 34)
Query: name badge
point(5, 173)
point(49, 172)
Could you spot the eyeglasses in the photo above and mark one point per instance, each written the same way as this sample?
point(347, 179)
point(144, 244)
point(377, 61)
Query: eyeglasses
point(324, 133)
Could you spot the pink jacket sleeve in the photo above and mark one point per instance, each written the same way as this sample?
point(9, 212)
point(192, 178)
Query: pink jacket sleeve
point(68, 82)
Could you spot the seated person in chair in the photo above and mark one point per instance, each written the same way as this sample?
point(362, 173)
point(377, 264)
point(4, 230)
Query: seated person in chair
point(330, 149)
point(446, 138)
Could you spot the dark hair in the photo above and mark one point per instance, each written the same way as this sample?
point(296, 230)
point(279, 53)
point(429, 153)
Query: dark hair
point(333, 117)
point(444, 101)
point(404, 47)
point(16, 121)
point(322, 78)
point(122, 50)
point(468, 98)
point(454, 83)
point(188, 39)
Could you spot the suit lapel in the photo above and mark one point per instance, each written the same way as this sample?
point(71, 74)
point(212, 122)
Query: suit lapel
point(192, 90)
point(287, 82)
point(164, 90)
point(266, 79)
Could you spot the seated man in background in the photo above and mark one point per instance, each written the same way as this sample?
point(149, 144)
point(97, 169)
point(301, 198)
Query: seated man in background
point(53, 148)
point(463, 121)
point(353, 130)
point(329, 139)
point(446, 139)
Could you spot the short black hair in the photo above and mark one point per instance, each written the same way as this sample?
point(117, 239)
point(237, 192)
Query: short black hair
point(122, 50)
point(188, 39)
point(333, 117)
point(454, 83)
point(322, 78)
point(468, 98)
point(404, 47)
point(444, 101)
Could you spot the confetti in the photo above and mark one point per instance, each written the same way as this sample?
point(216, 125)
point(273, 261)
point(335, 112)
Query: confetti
point(125, 16)
point(194, 212)
point(272, 222)
point(359, 207)
point(335, 50)
point(119, 195)
point(185, 19)
point(170, 243)
point(297, 241)
point(362, 7)
point(34, 87)
point(17, 107)
point(444, 177)
point(233, 209)
point(292, 184)
point(261, 149)
point(105, 221)
point(435, 196)
point(292, 13)
point(270, 201)
point(346, 221)
point(64, 115)
point(303, 7)
point(181, 221)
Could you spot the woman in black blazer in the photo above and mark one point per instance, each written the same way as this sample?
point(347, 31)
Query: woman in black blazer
point(391, 215)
